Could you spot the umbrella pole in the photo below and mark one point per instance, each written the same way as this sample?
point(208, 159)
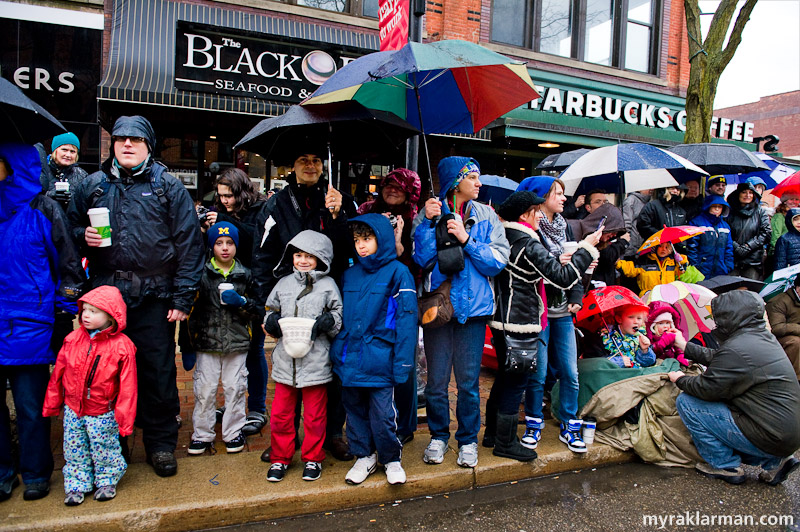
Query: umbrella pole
point(424, 139)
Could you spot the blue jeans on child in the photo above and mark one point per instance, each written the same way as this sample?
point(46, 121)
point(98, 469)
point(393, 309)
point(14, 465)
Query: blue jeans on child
point(372, 422)
point(92, 452)
point(28, 387)
point(457, 348)
point(717, 438)
point(561, 333)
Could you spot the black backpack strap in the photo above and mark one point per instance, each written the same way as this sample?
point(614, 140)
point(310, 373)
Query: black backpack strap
point(157, 183)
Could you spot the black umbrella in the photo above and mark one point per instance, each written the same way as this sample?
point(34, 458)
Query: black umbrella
point(349, 129)
point(22, 119)
point(560, 161)
point(720, 158)
point(725, 283)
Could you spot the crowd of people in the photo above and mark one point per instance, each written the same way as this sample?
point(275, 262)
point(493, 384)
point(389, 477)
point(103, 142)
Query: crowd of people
point(340, 288)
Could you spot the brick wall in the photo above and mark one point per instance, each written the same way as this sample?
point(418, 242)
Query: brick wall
point(778, 114)
point(677, 60)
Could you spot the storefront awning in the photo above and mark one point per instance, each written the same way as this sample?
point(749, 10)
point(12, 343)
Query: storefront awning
point(141, 64)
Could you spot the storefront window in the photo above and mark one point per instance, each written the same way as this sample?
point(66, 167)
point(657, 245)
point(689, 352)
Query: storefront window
point(340, 6)
point(616, 33)
point(369, 8)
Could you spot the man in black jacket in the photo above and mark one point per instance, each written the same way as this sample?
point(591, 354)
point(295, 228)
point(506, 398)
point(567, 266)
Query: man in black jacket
point(746, 406)
point(155, 259)
point(665, 209)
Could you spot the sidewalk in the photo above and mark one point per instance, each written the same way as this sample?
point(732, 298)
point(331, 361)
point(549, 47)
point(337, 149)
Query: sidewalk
point(220, 489)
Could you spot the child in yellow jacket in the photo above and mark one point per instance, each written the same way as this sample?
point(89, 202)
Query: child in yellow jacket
point(659, 266)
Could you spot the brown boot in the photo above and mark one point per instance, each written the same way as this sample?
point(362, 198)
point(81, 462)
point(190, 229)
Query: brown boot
point(339, 449)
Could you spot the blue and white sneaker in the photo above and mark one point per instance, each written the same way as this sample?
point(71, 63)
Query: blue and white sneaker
point(533, 432)
point(571, 435)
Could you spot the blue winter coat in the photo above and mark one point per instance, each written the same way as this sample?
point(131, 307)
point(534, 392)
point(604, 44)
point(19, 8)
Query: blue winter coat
point(787, 249)
point(378, 340)
point(712, 251)
point(485, 255)
point(41, 268)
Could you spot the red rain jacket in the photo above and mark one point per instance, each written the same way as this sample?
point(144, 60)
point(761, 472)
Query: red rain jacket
point(96, 375)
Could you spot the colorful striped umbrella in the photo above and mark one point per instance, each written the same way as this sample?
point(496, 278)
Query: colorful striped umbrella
point(692, 302)
point(675, 234)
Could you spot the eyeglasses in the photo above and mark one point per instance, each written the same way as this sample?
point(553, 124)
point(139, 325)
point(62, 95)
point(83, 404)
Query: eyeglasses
point(133, 140)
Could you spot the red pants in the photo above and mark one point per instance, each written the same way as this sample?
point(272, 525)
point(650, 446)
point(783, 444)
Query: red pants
point(282, 423)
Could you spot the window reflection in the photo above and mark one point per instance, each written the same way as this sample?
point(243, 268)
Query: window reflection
point(556, 27)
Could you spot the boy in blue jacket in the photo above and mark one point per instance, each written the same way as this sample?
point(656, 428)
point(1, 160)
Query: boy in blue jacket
point(787, 248)
point(712, 251)
point(375, 349)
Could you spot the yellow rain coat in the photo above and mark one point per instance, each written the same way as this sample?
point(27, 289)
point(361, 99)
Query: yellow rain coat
point(650, 271)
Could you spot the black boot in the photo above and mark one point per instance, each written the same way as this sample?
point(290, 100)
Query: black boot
point(491, 426)
point(507, 444)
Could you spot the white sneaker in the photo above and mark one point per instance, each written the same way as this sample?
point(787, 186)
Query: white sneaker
point(363, 468)
point(395, 473)
point(468, 455)
point(434, 452)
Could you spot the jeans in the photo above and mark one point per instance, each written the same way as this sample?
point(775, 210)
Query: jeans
point(257, 370)
point(561, 333)
point(456, 348)
point(28, 387)
point(717, 438)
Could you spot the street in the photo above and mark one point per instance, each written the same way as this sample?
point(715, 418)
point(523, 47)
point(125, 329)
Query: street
point(627, 497)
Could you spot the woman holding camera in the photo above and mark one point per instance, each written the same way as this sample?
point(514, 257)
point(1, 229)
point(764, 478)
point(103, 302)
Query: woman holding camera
point(457, 346)
point(521, 312)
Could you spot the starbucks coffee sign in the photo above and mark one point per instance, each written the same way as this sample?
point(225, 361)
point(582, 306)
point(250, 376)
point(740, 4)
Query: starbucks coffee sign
point(224, 61)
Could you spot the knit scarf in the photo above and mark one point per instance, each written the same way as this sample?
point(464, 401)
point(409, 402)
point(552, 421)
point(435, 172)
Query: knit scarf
point(554, 234)
point(617, 343)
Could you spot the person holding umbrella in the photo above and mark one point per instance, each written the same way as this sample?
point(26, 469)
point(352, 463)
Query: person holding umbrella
point(658, 263)
point(308, 202)
point(457, 346)
point(750, 230)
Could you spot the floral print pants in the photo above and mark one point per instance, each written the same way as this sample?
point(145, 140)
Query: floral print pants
point(92, 452)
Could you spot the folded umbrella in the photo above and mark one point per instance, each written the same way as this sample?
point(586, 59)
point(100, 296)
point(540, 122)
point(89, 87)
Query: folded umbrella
point(725, 283)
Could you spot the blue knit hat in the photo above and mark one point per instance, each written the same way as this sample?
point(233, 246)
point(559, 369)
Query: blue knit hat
point(65, 138)
point(222, 229)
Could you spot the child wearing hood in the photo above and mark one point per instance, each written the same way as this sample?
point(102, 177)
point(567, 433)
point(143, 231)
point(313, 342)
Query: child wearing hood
point(661, 327)
point(661, 265)
point(98, 392)
point(625, 341)
point(374, 352)
point(712, 251)
point(303, 291)
point(787, 248)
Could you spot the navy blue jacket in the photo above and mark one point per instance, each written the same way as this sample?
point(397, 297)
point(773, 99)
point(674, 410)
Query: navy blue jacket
point(712, 251)
point(41, 269)
point(376, 345)
point(787, 249)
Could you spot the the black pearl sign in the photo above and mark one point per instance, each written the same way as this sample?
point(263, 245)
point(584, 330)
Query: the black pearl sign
point(223, 61)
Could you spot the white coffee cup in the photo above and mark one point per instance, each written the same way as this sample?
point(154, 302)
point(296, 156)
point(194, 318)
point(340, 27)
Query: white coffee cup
point(588, 430)
point(62, 186)
point(570, 247)
point(222, 288)
point(100, 220)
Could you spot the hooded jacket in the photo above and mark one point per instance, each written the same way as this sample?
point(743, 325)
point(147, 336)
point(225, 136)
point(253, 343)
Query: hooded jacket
point(712, 251)
point(783, 312)
point(750, 228)
point(156, 245)
point(787, 249)
point(660, 212)
point(217, 328)
point(605, 271)
point(750, 373)
point(650, 271)
point(378, 340)
point(520, 307)
point(297, 208)
point(631, 207)
point(314, 368)
point(52, 173)
point(95, 375)
point(485, 253)
point(41, 271)
point(663, 346)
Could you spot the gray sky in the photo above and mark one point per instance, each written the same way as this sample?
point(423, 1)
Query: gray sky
point(768, 58)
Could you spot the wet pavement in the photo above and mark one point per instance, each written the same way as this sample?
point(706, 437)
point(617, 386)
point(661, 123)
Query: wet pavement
point(627, 497)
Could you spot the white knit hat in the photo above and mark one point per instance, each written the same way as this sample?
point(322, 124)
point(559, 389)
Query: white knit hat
point(664, 316)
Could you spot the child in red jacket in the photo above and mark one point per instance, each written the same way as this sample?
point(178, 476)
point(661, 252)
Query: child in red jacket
point(95, 380)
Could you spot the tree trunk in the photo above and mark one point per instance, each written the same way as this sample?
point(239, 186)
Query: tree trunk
point(708, 60)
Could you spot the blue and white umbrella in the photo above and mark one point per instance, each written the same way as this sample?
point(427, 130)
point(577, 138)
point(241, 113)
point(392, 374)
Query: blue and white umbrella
point(628, 168)
point(495, 189)
point(776, 174)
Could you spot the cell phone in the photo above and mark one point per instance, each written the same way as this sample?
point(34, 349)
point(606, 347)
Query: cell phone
point(602, 221)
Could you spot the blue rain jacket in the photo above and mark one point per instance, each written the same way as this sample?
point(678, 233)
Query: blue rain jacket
point(787, 248)
point(712, 251)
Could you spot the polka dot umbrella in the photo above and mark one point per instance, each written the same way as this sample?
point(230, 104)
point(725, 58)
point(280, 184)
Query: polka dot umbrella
point(598, 306)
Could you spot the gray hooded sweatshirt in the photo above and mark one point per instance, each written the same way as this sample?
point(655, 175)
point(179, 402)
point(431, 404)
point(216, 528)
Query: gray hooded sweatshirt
point(314, 368)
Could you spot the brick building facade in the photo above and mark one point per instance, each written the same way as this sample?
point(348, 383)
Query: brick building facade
point(778, 115)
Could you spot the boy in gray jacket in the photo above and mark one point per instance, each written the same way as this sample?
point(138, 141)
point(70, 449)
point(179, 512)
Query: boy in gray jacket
point(303, 291)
